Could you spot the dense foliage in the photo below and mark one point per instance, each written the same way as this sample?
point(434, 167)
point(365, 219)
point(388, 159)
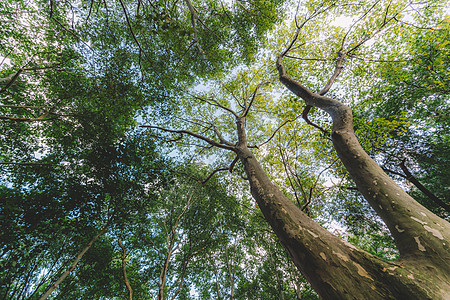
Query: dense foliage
point(78, 78)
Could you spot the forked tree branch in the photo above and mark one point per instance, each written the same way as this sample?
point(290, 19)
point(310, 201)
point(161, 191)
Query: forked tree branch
point(230, 169)
point(215, 103)
point(275, 132)
point(193, 134)
point(247, 108)
point(194, 18)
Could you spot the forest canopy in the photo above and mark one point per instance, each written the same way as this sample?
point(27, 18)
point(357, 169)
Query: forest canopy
point(260, 149)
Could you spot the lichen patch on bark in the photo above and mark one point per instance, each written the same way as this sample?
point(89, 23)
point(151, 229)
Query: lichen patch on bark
point(312, 233)
point(419, 245)
point(434, 232)
point(420, 221)
point(362, 271)
point(399, 229)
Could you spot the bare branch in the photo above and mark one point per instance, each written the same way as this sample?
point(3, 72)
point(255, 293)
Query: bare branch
point(213, 173)
point(247, 109)
point(337, 70)
point(132, 31)
point(305, 117)
point(230, 169)
point(193, 134)
point(90, 11)
point(236, 159)
point(40, 118)
point(194, 18)
point(11, 81)
point(215, 103)
point(354, 23)
point(299, 27)
point(275, 132)
point(28, 163)
point(283, 160)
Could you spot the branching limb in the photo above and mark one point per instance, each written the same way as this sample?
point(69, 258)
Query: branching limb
point(212, 174)
point(299, 27)
point(193, 134)
point(337, 70)
point(75, 262)
point(275, 132)
point(215, 103)
point(356, 22)
point(411, 178)
point(219, 135)
point(305, 117)
point(194, 18)
point(230, 169)
point(247, 108)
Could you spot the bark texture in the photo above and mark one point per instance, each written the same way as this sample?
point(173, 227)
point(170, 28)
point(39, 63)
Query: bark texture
point(422, 271)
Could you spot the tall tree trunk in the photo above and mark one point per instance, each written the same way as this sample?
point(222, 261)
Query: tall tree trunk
point(335, 269)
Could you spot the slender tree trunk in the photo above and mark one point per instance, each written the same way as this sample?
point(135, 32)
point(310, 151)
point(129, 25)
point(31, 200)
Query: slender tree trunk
point(124, 271)
point(74, 263)
point(163, 275)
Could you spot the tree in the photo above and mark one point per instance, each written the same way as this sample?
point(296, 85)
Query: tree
point(139, 32)
point(347, 272)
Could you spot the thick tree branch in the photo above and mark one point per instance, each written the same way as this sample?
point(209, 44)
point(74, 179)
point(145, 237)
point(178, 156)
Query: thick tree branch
point(219, 135)
point(12, 79)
